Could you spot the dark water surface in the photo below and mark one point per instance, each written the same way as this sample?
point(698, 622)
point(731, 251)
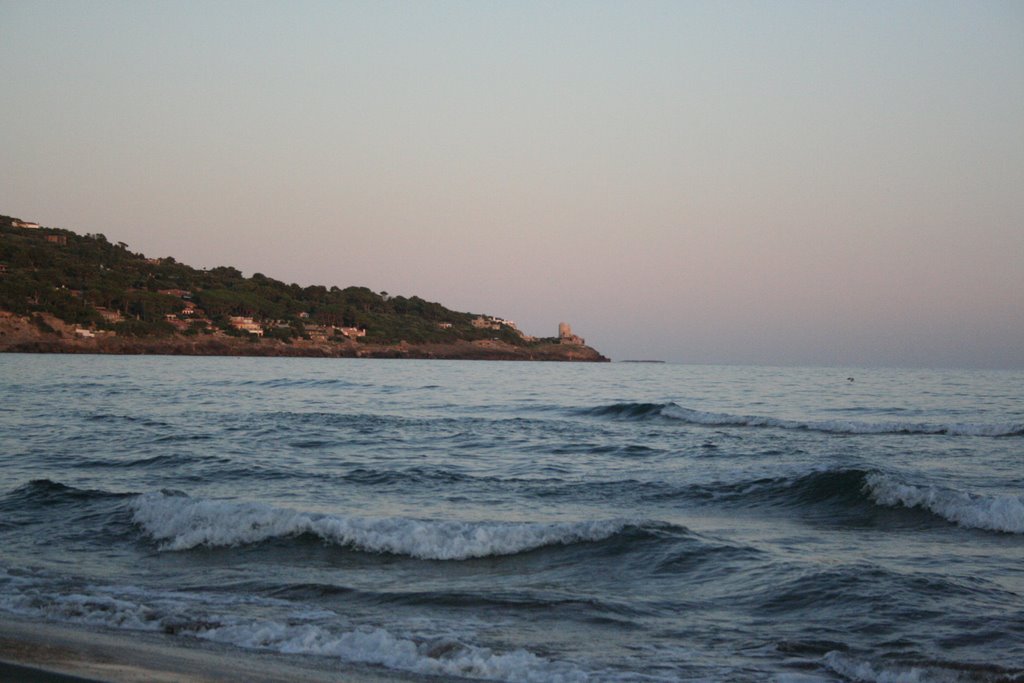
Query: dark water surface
point(525, 521)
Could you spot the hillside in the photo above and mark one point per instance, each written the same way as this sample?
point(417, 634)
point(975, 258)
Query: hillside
point(65, 292)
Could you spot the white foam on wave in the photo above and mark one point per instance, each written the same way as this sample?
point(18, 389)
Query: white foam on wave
point(713, 419)
point(439, 657)
point(191, 615)
point(85, 608)
point(994, 513)
point(36, 596)
point(181, 523)
point(865, 672)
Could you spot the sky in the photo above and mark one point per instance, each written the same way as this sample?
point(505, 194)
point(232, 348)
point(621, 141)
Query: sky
point(783, 182)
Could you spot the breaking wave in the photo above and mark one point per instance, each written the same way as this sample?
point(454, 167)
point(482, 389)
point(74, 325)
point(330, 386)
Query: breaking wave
point(863, 671)
point(992, 513)
point(182, 523)
point(854, 487)
point(673, 411)
point(433, 656)
point(319, 633)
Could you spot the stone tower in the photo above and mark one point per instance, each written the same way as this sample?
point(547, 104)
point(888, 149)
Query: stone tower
point(565, 335)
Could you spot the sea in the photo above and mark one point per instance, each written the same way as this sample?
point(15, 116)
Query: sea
point(516, 521)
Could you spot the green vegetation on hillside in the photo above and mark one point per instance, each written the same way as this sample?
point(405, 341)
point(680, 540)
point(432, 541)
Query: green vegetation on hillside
point(88, 281)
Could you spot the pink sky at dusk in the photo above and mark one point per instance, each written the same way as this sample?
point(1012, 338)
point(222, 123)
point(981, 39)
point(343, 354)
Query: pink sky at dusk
point(774, 183)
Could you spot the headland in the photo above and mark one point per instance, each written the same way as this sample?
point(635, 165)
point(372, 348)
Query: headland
point(61, 292)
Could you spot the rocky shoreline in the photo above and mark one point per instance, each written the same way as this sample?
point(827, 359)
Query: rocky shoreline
point(19, 334)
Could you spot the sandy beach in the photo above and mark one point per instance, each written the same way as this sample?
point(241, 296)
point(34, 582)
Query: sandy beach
point(36, 651)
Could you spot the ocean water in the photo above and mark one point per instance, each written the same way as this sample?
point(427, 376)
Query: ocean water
point(525, 521)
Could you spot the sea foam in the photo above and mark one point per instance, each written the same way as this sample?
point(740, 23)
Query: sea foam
point(436, 656)
point(196, 615)
point(858, 670)
point(181, 523)
point(994, 513)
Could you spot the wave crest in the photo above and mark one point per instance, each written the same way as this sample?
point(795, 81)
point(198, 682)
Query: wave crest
point(182, 523)
point(309, 633)
point(673, 411)
point(854, 669)
point(629, 410)
point(992, 513)
point(853, 487)
point(40, 492)
point(437, 657)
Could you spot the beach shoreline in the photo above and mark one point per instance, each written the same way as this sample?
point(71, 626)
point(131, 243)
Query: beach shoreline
point(39, 651)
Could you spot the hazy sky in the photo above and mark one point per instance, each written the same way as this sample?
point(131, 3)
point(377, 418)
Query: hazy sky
point(735, 182)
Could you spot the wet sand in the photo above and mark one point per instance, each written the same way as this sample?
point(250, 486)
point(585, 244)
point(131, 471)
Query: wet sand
point(40, 652)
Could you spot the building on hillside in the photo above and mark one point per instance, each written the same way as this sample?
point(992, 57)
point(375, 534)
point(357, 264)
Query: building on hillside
point(246, 324)
point(24, 224)
point(352, 332)
point(482, 323)
point(57, 239)
point(491, 323)
point(109, 316)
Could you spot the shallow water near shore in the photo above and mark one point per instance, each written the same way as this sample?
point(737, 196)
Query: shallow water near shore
point(525, 521)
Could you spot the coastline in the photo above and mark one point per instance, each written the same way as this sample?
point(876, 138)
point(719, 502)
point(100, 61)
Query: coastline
point(33, 650)
point(19, 335)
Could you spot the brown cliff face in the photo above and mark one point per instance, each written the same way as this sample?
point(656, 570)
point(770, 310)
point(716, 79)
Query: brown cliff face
point(20, 334)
